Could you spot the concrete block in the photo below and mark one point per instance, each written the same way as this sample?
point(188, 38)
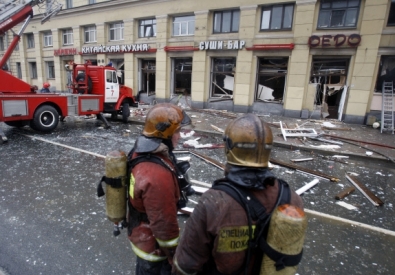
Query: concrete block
point(370, 120)
point(304, 113)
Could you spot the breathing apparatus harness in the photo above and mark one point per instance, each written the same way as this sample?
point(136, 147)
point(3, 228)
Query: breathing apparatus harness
point(257, 212)
point(180, 169)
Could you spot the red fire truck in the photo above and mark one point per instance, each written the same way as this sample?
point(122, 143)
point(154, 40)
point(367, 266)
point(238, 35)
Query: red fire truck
point(95, 89)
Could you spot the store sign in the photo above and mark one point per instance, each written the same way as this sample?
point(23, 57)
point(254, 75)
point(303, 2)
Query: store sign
point(115, 49)
point(61, 52)
point(337, 40)
point(222, 45)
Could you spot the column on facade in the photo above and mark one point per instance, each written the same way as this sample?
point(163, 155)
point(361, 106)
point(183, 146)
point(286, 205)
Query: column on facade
point(364, 71)
point(199, 66)
point(38, 45)
point(243, 93)
point(162, 83)
point(299, 69)
point(101, 38)
point(22, 59)
point(129, 58)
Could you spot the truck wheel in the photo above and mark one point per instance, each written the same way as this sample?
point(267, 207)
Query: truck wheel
point(45, 118)
point(80, 79)
point(18, 124)
point(125, 112)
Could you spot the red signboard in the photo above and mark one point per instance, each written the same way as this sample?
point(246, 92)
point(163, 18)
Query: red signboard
point(69, 51)
point(337, 40)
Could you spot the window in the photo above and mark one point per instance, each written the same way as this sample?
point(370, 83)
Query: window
point(50, 68)
point(222, 76)
point(147, 28)
point(68, 37)
point(90, 34)
point(182, 80)
point(184, 25)
point(338, 14)
point(271, 79)
point(116, 31)
point(91, 1)
point(226, 21)
point(69, 4)
point(330, 75)
point(30, 40)
point(19, 70)
point(391, 16)
point(33, 69)
point(111, 77)
point(2, 47)
point(278, 17)
point(47, 39)
point(147, 76)
point(386, 71)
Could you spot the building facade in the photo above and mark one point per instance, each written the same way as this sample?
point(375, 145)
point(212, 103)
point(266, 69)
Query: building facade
point(303, 58)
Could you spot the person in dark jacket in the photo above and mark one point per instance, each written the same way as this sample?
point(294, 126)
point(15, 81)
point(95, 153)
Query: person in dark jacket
point(154, 192)
point(216, 236)
point(45, 88)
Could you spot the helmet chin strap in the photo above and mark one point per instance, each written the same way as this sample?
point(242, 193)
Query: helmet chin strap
point(169, 144)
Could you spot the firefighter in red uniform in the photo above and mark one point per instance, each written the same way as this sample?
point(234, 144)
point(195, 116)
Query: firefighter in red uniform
point(217, 235)
point(154, 191)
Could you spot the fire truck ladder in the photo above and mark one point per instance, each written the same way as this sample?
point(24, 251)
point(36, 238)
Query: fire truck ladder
point(387, 112)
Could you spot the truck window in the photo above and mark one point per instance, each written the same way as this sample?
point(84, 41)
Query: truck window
point(111, 77)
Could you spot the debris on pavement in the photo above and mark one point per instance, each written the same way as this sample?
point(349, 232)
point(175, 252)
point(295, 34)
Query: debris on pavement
point(365, 191)
point(307, 186)
point(344, 193)
point(346, 205)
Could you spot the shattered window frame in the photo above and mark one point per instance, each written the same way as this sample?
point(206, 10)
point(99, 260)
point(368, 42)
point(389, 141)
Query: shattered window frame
point(273, 71)
point(386, 71)
point(222, 68)
point(182, 75)
point(148, 75)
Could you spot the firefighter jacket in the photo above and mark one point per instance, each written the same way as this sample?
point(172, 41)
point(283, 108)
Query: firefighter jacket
point(154, 191)
point(215, 238)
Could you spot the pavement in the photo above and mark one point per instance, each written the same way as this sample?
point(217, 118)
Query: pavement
point(357, 140)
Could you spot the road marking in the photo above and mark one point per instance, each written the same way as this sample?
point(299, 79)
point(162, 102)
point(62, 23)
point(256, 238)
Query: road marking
point(65, 146)
point(363, 225)
point(312, 212)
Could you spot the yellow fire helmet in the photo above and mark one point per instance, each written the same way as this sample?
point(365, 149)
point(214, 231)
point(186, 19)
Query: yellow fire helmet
point(248, 142)
point(163, 120)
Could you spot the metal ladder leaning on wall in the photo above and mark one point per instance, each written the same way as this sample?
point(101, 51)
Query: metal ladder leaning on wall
point(387, 112)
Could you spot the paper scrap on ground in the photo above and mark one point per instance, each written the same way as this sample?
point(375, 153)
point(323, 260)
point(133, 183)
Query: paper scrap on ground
point(195, 144)
point(346, 205)
point(328, 124)
point(326, 146)
point(187, 134)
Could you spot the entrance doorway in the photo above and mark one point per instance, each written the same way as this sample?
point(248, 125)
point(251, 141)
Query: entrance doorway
point(147, 77)
point(330, 75)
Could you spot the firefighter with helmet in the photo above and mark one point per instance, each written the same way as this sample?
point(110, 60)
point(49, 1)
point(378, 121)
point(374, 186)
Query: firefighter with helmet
point(154, 192)
point(218, 234)
point(45, 88)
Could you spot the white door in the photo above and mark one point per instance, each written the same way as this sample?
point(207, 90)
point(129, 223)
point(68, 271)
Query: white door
point(111, 86)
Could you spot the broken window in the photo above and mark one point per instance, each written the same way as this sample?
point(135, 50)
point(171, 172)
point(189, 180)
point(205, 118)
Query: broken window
point(330, 75)
point(391, 16)
point(147, 76)
point(182, 76)
point(271, 79)
point(118, 64)
point(222, 76)
point(386, 72)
